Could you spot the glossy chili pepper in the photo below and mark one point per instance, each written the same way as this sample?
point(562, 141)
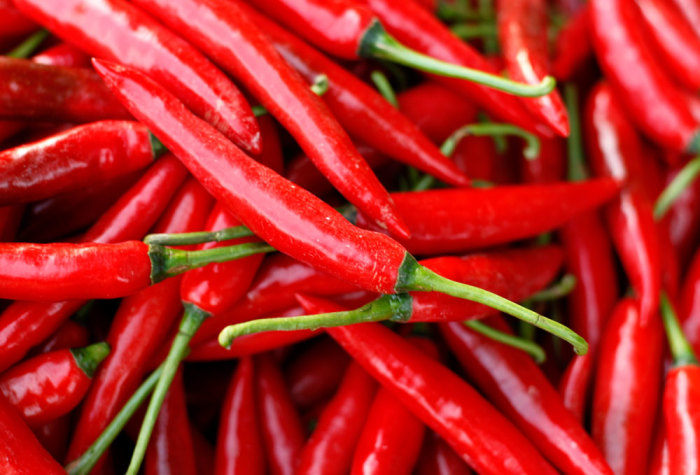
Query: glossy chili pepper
point(69, 335)
point(53, 93)
point(478, 157)
point(139, 327)
point(162, 54)
point(282, 432)
point(573, 46)
point(54, 435)
point(285, 216)
point(515, 385)
point(315, 374)
point(245, 52)
point(239, 446)
point(689, 307)
point(443, 401)
point(451, 220)
point(362, 111)
point(171, 448)
point(52, 384)
point(75, 158)
point(332, 443)
point(63, 54)
point(548, 166)
point(683, 220)
point(438, 458)
point(20, 451)
point(647, 94)
point(25, 324)
point(13, 22)
point(522, 31)
point(678, 47)
point(691, 12)
point(626, 388)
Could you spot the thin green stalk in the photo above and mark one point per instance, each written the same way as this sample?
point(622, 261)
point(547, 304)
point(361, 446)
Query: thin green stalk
point(29, 46)
point(681, 349)
point(189, 239)
point(559, 290)
point(531, 151)
point(384, 87)
point(486, 11)
point(468, 31)
point(528, 346)
point(678, 185)
point(577, 167)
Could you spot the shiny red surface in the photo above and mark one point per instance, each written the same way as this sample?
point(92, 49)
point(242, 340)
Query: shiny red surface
point(681, 408)
point(689, 308)
point(438, 458)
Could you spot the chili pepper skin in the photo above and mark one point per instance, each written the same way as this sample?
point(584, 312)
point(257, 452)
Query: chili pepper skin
point(360, 109)
point(458, 220)
point(626, 387)
point(163, 55)
point(683, 220)
point(522, 31)
point(479, 433)
point(245, 52)
point(63, 54)
point(548, 167)
point(68, 335)
point(10, 217)
point(438, 458)
point(681, 411)
point(67, 161)
point(49, 385)
point(51, 93)
point(21, 452)
point(171, 449)
point(239, 446)
point(691, 12)
point(282, 432)
point(13, 22)
point(573, 45)
point(689, 307)
point(54, 435)
point(515, 385)
point(641, 85)
point(332, 443)
point(25, 324)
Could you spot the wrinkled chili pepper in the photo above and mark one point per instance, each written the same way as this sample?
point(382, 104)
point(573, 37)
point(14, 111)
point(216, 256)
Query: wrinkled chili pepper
point(479, 433)
point(162, 54)
point(246, 53)
point(94, 152)
point(52, 384)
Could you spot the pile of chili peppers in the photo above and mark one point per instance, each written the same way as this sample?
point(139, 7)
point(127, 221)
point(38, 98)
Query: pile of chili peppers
point(279, 236)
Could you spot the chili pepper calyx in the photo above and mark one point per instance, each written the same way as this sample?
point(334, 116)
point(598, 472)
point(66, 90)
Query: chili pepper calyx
point(89, 357)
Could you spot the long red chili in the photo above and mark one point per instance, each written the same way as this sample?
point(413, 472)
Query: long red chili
point(691, 12)
point(478, 432)
point(72, 159)
point(224, 31)
point(52, 384)
point(438, 458)
point(515, 385)
point(137, 40)
point(689, 307)
point(648, 95)
point(69, 335)
point(13, 22)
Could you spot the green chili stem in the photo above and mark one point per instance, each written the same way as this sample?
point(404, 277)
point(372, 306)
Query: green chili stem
point(258, 110)
point(29, 46)
point(486, 11)
point(468, 31)
point(680, 182)
point(188, 239)
point(377, 43)
point(426, 182)
point(561, 289)
point(532, 148)
point(320, 85)
point(574, 145)
point(89, 357)
point(84, 464)
point(384, 87)
point(530, 347)
point(681, 349)
point(190, 323)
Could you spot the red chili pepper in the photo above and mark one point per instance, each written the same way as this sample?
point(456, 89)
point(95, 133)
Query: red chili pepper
point(10, 217)
point(478, 157)
point(438, 458)
point(515, 385)
point(239, 445)
point(246, 53)
point(682, 220)
point(68, 335)
point(573, 45)
point(25, 324)
point(315, 374)
point(522, 31)
point(443, 401)
point(94, 152)
point(332, 443)
point(282, 432)
point(53, 93)
point(548, 166)
point(162, 54)
point(362, 112)
point(54, 435)
point(20, 452)
point(649, 97)
point(690, 10)
point(171, 449)
point(13, 22)
point(451, 220)
point(63, 54)
point(52, 384)
point(689, 307)
point(627, 386)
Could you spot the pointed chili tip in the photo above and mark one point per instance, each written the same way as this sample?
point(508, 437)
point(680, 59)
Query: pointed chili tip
point(396, 226)
point(254, 144)
point(560, 127)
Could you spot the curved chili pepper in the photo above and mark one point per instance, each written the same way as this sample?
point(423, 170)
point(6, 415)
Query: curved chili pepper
point(626, 388)
point(162, 54)
point(20, 451)
point(53, 93)
point(691, 12)
point(548, 166)
point(52, 384)
point(282, 432)
point(675, 42)
point(332, 443)
point(54, 435)
point(67, 161)
point(689, 307)
point(68, 335)
point(458, 220)
point(239, 446)
point(682, 221)
point(478, 157)
point(515, 385)
point(649, 97)
point(479, 433)
point(25, 324)
point(246, 53)
point(63, 54)
point(360, 109)
point(171, 450)
point(13, 22)
point(438, 458)
point(573, 45)
point(522, 31)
